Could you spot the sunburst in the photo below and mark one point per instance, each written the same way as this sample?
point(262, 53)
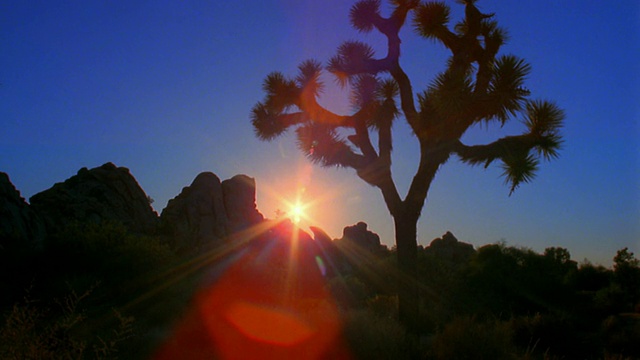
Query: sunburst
point(297, 211)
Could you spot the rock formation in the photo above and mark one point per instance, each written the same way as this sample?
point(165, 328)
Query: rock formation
point(208, 210)
point(197, 216)
point(20, 227)
point(449, 248)
point(359, 236)
point(333, 260)
point(240, 202)
point(203, 214)
point(105, 193)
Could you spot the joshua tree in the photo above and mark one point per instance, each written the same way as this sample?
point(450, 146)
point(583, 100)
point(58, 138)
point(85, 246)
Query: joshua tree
point(477, 86)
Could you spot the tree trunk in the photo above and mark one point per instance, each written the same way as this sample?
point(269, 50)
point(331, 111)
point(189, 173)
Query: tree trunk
point(407, 253)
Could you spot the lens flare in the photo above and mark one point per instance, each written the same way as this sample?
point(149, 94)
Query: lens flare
point(321, 266)
point(252, 312)
point(268, 324)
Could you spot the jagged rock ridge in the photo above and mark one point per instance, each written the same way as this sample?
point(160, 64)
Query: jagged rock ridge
point(240, 202)
point(203, 214)
point(20, 226)
point(105, 193)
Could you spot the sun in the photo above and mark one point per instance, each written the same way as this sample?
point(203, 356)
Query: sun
point(297, 212)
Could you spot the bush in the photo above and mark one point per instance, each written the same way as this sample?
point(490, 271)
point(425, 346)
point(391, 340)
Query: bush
point(466, 338)
point(384, 306)
point(374, 337)
point(107, 253)
point(31, 330)
point(621, 334)
point(556, 335)
point(110, 243)
point(349, 291)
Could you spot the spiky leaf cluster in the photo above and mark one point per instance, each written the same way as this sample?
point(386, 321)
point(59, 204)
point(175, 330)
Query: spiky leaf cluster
point(544, 120)
point(364, 92)
point(276, 113)
point(387, 109)
point(506, 89)
point(308, 78)
point(322, 145)
point(431, 19)
point(494, 37)
point(363, 15)
point(266, 122)
point(350, 58)
point(450, 93)
point(519, 167)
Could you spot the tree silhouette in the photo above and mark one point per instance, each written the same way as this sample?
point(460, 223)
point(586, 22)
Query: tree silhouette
point(477, 87)
point(626, 270)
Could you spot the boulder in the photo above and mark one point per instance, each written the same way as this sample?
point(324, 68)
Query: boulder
point(20, 227)
point(359, 236)
point(105, 193)
point(239, 194)
point(197, 216)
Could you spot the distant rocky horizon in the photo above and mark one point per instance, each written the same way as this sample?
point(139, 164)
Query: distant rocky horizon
point(202, 215)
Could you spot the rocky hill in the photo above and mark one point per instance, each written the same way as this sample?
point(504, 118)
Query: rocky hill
point(20, 227)
point(204, 213)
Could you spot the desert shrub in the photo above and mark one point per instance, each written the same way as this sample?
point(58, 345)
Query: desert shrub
point(106, 252)
point(384, 305)
point(621, 334)
point(627, 276)
point(590, 278)
point(466, 338)
point(374, 337)
point(554, 335)
point(349, 291)
point(109, 239)
point(35, 330)
point(610, 300)
point(137, 273)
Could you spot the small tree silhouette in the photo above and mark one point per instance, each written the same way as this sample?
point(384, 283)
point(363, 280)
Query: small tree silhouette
point(477, 86)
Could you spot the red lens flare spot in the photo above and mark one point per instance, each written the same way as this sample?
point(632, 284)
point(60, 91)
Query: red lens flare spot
point(269, 302)
point(267, 324)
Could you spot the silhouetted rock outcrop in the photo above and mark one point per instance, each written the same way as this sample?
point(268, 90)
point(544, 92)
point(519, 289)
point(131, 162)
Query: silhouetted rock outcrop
point(204, 214)
point(208, 210)
point(359, 236)
point(105, 193)
point(331, 253)
point(449, 248)
point(240, 202)
point(197, 216)
point(20, 227)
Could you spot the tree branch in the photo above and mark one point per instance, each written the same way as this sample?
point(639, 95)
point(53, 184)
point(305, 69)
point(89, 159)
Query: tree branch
point(499, 149)
point(319, 114)
point(431, 158)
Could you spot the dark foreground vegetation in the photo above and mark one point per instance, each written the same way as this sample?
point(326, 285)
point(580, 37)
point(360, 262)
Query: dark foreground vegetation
point(100, 292)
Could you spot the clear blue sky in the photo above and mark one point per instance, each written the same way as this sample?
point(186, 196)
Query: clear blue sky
point(165, 88)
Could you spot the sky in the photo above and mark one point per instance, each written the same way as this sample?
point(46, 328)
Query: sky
point(165, 88)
